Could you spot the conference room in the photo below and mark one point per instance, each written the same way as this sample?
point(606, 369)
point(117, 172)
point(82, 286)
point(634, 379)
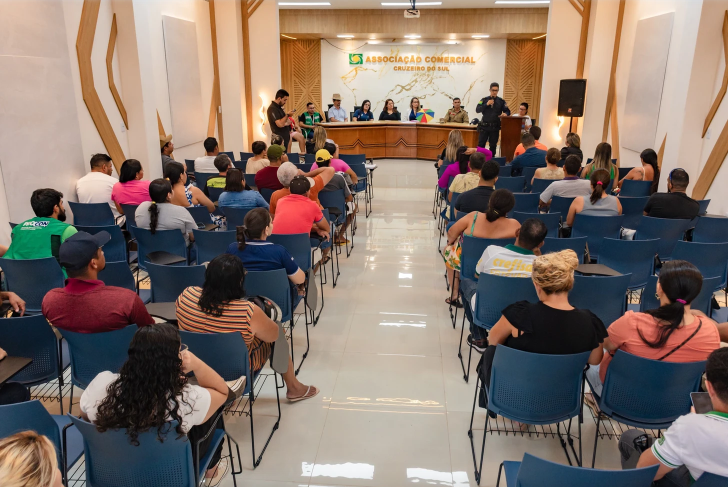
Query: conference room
point(282, 243)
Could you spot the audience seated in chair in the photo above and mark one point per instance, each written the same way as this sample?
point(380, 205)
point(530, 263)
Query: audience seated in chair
point(151, 389)
point(453, 170)
point(185, 194)
point(330, 160)
point(696, 442)
point(222, 164)
point(449, 153)
point(206, 163)
point(235, 194)
point(536, 132)
point(276, 139)
point(319, 179)
point(28, 459)
point(514, 260)
point(552, 170)
point(673, 332)
point(602, 160)
point(320, 138)
point(162, 214)
point(41, 236)
point(600, 203)
point(11, 393)
point(15, 302)
point(492, 224)
point(86, 304)
point(532, 157)
point(131, 188)
point(267, 177)
point(259, 159)
point(570, 187)
point(572, 147)
point(97, 185)
point(296, 213)
point(648, 171)
point(477, 199)
point(675, 203)
point(219, 307)
point(471, 179)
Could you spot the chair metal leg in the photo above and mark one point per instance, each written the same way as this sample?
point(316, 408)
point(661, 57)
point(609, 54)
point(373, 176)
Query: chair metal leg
point(257, 461)
point(305, 354)
point(70, 400)
point(478, 469)
point(500, 470)
point(596, 440)
point(466, 373)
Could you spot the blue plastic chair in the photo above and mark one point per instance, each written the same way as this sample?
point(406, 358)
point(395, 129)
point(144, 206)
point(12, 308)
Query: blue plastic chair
point(526, 202)
point(473, 248)
point(311, 158)
point(513, 184)
point(702, 302)
point(168, 282)
point(505, 171)
point(528, 173)
point(539, 185)
point(605, 296)
point(242, 165)
point(623, 171)
point(577, 244)
point(115, 250)
point(711, 230)
point(668, 230)
point(363, 186)
point(595, 229)
point(703, 206)
point(33, 416)
point(31, 279)
point(634, 188)
point(298, 245)
point(230, 154)
point(535, 472)
point(91, 214)
point(551, 220)
point(305, 167)
point(118, 274)
point(214, 193)
point(266, 193)
point(500, 160)
point(234, 216)
point(31, 337)
point(711, 480)
point(169, 244)
point(200, 215)
point(250, 180)
point(244, 156)
point(495, 293)
point(130, 215)
point(710, 258)
point(190, 163)
point(336, 199)
point(211, 244)
point(202, 177)
point(560, 204)
point(632, 209)
point(353, 158)
point(630, 256)
point(651, 399)
point(532, 388)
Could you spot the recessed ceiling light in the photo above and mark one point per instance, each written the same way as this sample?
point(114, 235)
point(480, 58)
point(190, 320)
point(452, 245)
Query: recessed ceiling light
point(407, 4)
point(539, 37)
point(411, 42)
point(517, 2)
point(412, 36)
point(304, 4)
point(288, 37)
point(345, 36)
point(483, 36)
point(373, 42)
point(451, 42)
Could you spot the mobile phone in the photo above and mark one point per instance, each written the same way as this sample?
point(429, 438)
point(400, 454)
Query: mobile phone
point(701, 402)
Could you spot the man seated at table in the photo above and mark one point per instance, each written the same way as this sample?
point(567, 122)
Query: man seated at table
point(288, 171)
point(477, 198)
point(456, 114)
point(536, 132)
point(308, 119)
point(86, 304)
point(569, 187)
point(336, 113)
point(533, 157)
point(267, 178)
point(222, 164)
point(675, 203)
point(206, 163)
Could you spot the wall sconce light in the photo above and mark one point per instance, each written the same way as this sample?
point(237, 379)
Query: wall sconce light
point(261, 114)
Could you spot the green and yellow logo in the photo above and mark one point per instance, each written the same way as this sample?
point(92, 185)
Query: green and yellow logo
point(356, 59)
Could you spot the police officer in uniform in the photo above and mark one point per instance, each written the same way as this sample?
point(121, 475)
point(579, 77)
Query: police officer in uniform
point(492, 107)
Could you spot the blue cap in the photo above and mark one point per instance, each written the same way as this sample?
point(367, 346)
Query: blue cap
point(78, 249)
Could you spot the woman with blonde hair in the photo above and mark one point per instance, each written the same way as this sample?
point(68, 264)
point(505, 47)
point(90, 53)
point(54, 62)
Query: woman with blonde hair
point(450, 152)
point(320, 139)
point(602, 160)
point(28, 459)
point(573, 146)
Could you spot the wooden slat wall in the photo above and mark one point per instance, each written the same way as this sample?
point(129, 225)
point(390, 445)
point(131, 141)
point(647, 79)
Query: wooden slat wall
point(524, 73)
point(301, 73)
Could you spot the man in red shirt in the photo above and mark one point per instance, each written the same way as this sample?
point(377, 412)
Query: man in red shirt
point(85, 304)
point(296, 213)
point(268, 176)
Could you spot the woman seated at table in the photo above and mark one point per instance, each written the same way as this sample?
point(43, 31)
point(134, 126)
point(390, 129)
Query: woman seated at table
point(28, 459)
point(236, 196)
point(414, 108)
point(364, 114)
point(162, 214)
point(219, 306)
point(131, 188)
point(492, 224)
point(648, 171)
point(673, 332)
point(151, 389)
point(600, 203)
point(390, 112)
point(552, 170)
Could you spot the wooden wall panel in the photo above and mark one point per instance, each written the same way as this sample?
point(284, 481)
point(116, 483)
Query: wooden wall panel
point(524, 73)
point(301, 73)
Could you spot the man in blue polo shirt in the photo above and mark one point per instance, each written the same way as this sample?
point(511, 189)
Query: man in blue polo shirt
point(533, 157)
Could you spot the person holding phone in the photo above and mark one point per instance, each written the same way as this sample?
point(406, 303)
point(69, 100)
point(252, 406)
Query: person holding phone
point(280, 120)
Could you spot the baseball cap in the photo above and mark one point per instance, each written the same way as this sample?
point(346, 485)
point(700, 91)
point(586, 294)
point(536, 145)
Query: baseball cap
point(275, 151)
point(322, 155)
point(300, 184)
point(77, 250)
point(164, 140)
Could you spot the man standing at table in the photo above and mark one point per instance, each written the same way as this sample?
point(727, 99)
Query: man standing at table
point(456, 114)
point(336, 113)
point(492, 107)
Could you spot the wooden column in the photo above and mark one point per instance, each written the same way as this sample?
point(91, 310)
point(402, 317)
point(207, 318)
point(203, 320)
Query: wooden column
point(248, 8)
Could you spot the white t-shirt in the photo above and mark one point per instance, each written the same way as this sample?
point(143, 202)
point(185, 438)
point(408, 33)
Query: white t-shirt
point(193, 403)
point(504, 262)
point(206, 164)
point(698, 441)
point(568, 188)
point(171, 217)
point(95, 187)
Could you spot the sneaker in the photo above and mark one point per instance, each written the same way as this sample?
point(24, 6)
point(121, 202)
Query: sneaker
point(478, 345)
point(222, 469)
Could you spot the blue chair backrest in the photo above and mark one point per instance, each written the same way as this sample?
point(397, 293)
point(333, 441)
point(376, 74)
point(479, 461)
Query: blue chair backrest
point(635, 188)
point(528, 173)
point(31, 337)
point(536, 388)
point(92, 353)
point(250, 180)
point(623, 171)
point(200, 214)
point(453, 202)
point(595, 229)
point(170, 241)
point(630, 256)
point(230, 154)
point(305, 167)
point(535, 472)
point(298, 245)
point(274, 286)
point(31, 279)
point(266, 193)
point(214, 193)
point(353, 158)
point(526, 202)
point(540, 184)
point(472, 250)
point(668, 230)
point(577, 244)
point(190, 163)
point(112, 460)
point(632, 209)
point(505, 171)
point(212, 244)
point(512, 184)
point(359, 169)
point(115, 250)
point(711, 480)
point(710, 258)
point(334, 199)
point(234, 216)
point(551, 220)
point(496, 292)
point(130, 215)
point(605, 296)
point(225, 353)
point(500, 160)
point(201, 178)
point(711, 230)
point(702, 302)
point(560, 204)
point(656, 396)
point(309, 158)
point(242, 165)
point(33, 416)
point(118, 274)
point(703, 206)
point(91, 214)
point(244, 156)
point(168, 281)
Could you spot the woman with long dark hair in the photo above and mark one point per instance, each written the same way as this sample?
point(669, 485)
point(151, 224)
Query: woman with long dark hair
point(364, 114)
point(599, 203)
point(131, 188)
point(185, 193)
point(462, 167)
point(219, 306)
point(672, 332)
point(390, 111)
point(648, 171)
point(236, 196)
point(151, 389)
point(161, 214)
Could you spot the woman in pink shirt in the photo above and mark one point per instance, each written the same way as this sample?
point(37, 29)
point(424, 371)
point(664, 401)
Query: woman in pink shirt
point(131, 189)
point(462, 165)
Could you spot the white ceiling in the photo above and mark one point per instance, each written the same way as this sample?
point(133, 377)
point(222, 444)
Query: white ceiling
point(376, 4)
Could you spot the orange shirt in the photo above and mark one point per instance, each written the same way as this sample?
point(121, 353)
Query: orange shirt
point(624, 333)
point(520, 150)
point(313, 194)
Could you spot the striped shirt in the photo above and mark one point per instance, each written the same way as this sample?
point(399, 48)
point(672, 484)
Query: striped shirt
point(236, 316)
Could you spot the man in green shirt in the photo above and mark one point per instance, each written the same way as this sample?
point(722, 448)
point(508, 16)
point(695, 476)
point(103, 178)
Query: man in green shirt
point(308, 119)
point(41, 236)
point(222, 164)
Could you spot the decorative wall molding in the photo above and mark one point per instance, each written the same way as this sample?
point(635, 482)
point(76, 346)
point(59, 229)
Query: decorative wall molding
point(524, 73)
point(712, 165)
point(661, 152)
point(216, 101)
point(248, 8)
point(724, 85)
point(110, 73)
point(301, 73)
point(610, 111)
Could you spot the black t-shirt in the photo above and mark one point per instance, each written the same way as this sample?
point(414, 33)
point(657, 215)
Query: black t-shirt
point(475, 199)
point(276, 112)
point(390, 116)
point(672, 205)
point(548, 330)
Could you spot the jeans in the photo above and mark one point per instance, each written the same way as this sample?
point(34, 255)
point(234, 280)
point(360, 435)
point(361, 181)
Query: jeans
point(467, 291)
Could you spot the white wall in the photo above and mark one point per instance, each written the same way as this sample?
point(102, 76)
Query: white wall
point(265, 62)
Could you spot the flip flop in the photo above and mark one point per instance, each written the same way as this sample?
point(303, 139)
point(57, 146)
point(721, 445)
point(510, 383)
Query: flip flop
point(305, 396)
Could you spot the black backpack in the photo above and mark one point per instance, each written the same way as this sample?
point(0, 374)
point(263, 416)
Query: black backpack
point(270, 308)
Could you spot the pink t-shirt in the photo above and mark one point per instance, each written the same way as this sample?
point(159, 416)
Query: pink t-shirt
point(131, 192)
point(337, 164)
point(625, 335)
point(295, 214)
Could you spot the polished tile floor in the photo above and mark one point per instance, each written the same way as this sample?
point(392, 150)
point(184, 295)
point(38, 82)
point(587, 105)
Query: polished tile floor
point(393, 408)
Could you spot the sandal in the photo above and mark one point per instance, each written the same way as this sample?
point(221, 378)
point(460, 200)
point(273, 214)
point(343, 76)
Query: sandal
point(311, 391)
point(455, 304)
